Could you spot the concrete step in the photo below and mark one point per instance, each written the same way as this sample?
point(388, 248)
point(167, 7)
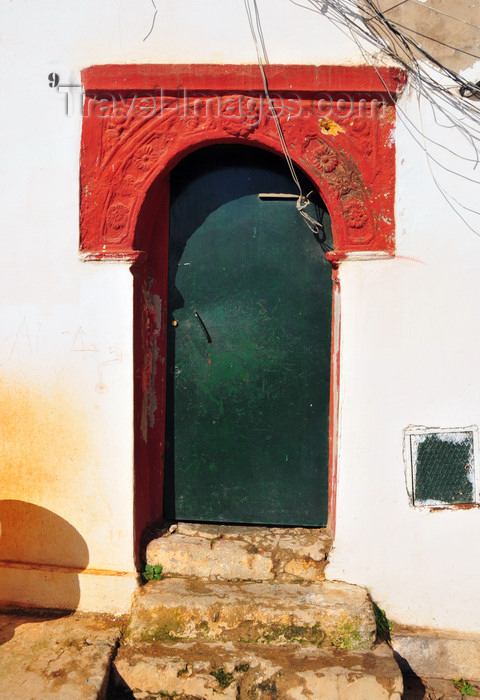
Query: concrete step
point(437, 653)
point(416, 688)
point(432, 659)
point(207, 670)
point(325, 614)
point(47, 656)
point(241, 553)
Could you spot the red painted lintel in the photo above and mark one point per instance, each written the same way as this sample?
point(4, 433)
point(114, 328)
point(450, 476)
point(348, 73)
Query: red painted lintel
point(301, 79)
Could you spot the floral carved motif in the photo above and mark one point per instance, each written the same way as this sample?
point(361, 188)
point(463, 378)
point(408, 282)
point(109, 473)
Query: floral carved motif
point(133, 134)
point(113, 131)
point(355, 213)
point(145, 157)
point(346, 180)
point(116, 221)
point(340, 172)
point(238, 128)
point(117, 216)
point(325, 158)
point(112, 134)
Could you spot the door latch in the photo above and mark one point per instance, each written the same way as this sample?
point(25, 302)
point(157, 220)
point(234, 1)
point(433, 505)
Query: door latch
point(203, 327)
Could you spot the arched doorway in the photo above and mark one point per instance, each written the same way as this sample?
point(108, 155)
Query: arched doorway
point(138, 124)
point(249, 337)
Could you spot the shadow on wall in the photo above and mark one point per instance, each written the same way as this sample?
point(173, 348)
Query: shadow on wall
point(41, 555)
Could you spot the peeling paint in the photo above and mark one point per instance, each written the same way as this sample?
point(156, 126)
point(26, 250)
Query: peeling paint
point(447, 36)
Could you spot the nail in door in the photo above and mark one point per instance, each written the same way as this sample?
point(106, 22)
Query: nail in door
point(249, 330)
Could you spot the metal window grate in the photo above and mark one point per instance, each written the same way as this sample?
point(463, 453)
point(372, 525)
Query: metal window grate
point(442, 465)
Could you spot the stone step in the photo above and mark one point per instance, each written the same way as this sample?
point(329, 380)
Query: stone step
point(236, 553)
point(325, 614)
point(438, 654)
point(416, 688)
point(50, 655)
point(207, 670)
point(432, 659)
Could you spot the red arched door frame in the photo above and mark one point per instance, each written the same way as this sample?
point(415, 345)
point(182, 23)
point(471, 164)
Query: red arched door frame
point(141, 120)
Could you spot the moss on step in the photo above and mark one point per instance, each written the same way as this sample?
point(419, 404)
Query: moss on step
point(242, 668)
point(293, 633)
point(269, 687)
point(223, 677)
point(174, 696)
point(314, 615)
point(347, 635)
point(167, 628)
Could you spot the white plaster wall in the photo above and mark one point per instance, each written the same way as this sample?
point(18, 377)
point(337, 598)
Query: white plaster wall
point(83, 33)
point(410, 348)
point(410, 334)
point(65, 366)
point(65, 325)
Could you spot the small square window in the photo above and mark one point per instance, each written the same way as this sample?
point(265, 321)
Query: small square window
point(442, 465)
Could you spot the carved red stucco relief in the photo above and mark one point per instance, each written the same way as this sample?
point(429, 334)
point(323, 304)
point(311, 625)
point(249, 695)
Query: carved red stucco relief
point(139, 121)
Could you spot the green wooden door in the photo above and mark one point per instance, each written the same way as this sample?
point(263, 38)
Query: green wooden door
point(249, 347)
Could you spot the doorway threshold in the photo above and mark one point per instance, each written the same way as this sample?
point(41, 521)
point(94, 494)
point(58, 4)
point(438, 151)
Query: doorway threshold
point(241, 552)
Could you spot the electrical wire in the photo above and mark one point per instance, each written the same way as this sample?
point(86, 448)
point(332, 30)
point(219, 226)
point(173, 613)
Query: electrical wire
point(442, 191)
point(366, 12)
point(270, 102)
point(402, 2)
point(362, 19)
point(260, 32)
point(347, 18)
point(303, 200)
point(153, 20)
point(441, 12)
point(421, 133)
point(437, 41)
point(421, 89)
point(412, 45)
point(341, 14)
point(345, 15)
